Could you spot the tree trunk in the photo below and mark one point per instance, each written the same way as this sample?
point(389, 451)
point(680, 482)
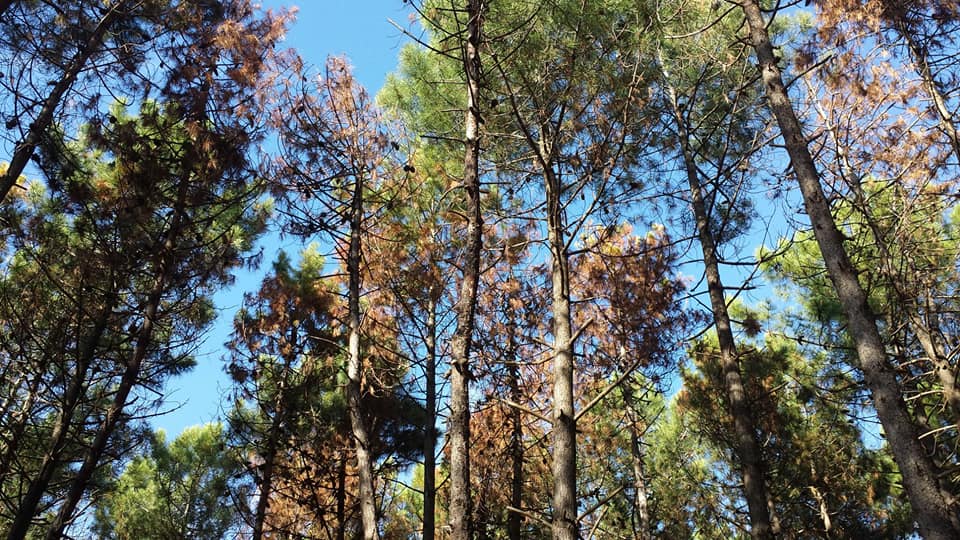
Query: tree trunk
point(927, 331)
point(14, 432)
point(266, 481)
point(641, 510)
point(747, 448)
point(565, 523)
point(342, 497)
point(514, 519)
point(930, 508)
point(25, 148)
point(131, 373)
point(358, 425)
point(30, 502)
point(430, 437)
point(458, 431)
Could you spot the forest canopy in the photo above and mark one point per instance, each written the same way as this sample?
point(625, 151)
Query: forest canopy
point(607, 269)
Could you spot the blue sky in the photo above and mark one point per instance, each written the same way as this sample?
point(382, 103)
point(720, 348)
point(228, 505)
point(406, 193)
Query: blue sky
point(361, 30)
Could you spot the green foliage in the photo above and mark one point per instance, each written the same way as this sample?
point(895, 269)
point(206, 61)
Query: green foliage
point(177, 490)
point(823, 478)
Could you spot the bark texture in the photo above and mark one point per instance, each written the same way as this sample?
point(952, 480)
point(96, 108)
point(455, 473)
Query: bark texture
point(748, 451)
point(930, 507)
point(354, 390)
point(458, 430)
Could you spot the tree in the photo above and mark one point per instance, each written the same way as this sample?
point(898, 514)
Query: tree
point(458, 431)
point(180, 489)
point(173, 187)
point(933, 514)
point(714, 130)
point(574, 108)
point(824, 481)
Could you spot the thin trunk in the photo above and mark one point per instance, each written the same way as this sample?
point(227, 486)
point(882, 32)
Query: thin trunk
point(927, 332)
point(342, 497)
point(641, 509)
point(930, 508)
point(263, 501)
point(358, 425)
point(5, 375)
point(824, 511)
point(458, 430)
point(747, 448)
point(930, 340)
point(514, 519)
point(74, 393)
point(25, 148)
point(131, 373)
point(565, 523)
point(266, 482)
point(430, 437)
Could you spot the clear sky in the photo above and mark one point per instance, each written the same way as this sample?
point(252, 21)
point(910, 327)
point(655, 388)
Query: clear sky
point(359, 29)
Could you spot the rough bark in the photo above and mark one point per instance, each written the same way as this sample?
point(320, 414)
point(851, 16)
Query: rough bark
point(358, 425)
point(564, 433)
point(430, 437)
point(459, 422)
point(930, 508)
point(29, 504)
point(25, 148)
point(747, 449)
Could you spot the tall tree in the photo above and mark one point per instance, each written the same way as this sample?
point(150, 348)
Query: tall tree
point(718, 132)
point(458, 430)
point(934, 515)
point(178, 489)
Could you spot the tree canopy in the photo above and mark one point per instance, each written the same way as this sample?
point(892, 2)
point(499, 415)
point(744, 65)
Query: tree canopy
point(608, 269)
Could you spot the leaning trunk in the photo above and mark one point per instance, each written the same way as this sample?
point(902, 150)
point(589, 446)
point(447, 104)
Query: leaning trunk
point(25, 148)
point(459, 423)
point(131, 374)
point(30, 502)
point(930, 507)
point(747, 448)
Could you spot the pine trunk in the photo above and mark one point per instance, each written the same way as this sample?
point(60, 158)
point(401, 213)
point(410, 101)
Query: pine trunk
point(38, 127)
point(430, 437)
point(166, 260)
point(930, 508)
point(358, 425)
point(514, 519)
point(459, 422)
point(565, 523)
point(747, 448)
point(29, 504)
